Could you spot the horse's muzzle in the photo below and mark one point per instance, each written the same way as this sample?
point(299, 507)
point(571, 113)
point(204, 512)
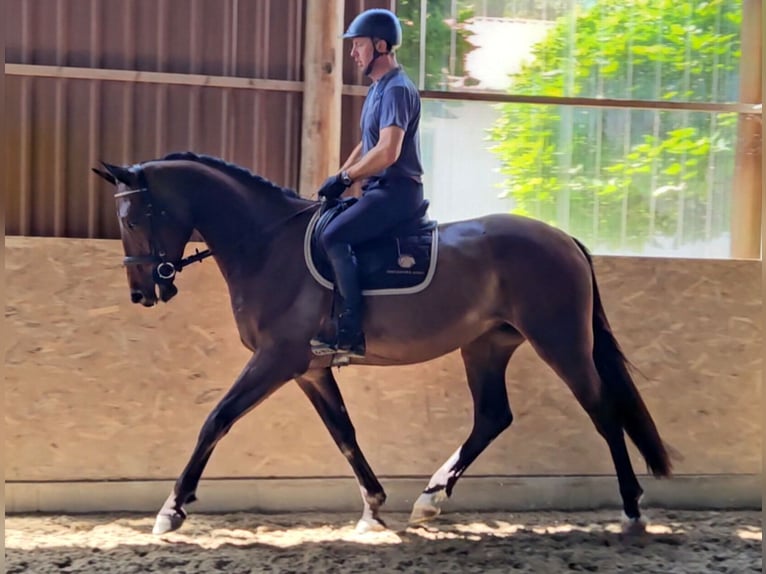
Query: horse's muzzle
point(167, 290)
point(145, 299)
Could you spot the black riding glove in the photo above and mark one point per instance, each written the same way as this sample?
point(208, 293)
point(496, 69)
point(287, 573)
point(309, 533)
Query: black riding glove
point(333, 187)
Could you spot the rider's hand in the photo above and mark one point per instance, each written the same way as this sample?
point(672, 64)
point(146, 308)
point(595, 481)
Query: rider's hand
point(333, 187)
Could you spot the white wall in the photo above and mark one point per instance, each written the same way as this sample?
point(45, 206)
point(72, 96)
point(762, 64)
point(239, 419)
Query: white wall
point(462, 177)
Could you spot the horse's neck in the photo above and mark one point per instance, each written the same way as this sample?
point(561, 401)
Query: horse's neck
point(233, 220)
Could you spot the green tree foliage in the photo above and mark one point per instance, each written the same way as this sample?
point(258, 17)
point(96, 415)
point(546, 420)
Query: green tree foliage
point(620, 178)
point(439, 28)
point(533, 9)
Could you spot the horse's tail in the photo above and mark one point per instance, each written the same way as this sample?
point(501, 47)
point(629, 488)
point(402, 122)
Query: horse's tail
point(612, 366)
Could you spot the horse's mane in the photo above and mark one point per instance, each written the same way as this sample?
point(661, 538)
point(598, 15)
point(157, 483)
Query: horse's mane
point(239, 173)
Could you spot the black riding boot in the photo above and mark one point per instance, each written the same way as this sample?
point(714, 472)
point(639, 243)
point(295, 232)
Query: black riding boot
point(349, 335)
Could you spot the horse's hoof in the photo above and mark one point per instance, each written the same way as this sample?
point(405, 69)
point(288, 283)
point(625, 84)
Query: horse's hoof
point(424, 509)
point(168, 522)
point(370, 525)
point(633, 526)
point(421, 514)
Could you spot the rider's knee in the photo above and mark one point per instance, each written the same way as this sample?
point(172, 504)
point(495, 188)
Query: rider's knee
point(327, 240)
point(332, 244)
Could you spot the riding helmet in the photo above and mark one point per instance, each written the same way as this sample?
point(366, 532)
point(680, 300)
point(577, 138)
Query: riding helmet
point(376, 23)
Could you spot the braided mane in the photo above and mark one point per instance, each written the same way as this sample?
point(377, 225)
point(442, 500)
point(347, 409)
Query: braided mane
point(237, 172)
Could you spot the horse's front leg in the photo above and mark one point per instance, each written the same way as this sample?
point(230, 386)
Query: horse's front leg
point(323, 392)
point(267, 370)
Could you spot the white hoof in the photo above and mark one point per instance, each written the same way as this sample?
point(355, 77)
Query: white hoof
point(369, 524)
point(426, 507)
point(633, 526)
point(167, 523)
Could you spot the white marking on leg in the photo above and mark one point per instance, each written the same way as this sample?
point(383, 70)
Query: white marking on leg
point(427, 504)
point(442, 476)
point(369, 522)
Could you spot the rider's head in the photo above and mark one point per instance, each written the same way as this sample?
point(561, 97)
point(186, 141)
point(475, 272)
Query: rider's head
point(374, 33)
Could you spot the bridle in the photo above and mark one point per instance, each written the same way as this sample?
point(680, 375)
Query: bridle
point(164, 269)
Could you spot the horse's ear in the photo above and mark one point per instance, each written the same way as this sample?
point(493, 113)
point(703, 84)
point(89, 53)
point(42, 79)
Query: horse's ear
point(119, 173)
point(107, 176)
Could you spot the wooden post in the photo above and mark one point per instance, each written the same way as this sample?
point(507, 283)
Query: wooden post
point(323, 84)
point(746, 192)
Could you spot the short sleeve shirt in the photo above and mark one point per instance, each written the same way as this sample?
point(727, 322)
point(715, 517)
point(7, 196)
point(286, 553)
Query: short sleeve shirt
point(394, 101)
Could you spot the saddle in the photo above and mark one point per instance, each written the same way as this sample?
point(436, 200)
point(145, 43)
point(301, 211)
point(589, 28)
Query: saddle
point(401, 261)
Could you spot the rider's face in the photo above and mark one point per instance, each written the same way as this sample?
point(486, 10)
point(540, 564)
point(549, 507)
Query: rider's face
point(361, 51)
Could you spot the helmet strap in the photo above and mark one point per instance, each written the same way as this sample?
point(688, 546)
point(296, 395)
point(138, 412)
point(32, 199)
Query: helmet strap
point(375, 56)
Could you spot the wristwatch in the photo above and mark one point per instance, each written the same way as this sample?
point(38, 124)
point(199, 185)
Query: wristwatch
point(345, 178)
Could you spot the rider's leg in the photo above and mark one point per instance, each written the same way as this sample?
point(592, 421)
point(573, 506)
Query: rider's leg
point(376, 211)
point(349, 329)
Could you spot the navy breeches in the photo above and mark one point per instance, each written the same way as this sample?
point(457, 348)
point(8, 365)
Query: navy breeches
point(383, 205)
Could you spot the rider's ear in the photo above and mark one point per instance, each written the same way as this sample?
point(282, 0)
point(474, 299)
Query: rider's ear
point(381, 45)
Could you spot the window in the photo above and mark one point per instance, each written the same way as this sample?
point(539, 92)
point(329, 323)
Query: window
point(617, 121)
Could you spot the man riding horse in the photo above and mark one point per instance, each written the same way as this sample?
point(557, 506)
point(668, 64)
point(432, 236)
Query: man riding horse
point(387, 160)
point(502, 279)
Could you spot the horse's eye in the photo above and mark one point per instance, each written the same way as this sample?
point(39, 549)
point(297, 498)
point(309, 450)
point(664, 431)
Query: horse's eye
point(131, 225)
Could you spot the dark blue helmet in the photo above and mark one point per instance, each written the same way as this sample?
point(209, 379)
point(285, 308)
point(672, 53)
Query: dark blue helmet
point(376, 23)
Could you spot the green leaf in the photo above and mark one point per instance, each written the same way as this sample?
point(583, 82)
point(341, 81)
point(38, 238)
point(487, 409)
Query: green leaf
point(672, 169)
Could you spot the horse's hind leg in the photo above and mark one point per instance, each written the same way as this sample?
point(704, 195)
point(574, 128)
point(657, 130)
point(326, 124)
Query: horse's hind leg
point(322, 390)
point(570, 355)
point(486, 359)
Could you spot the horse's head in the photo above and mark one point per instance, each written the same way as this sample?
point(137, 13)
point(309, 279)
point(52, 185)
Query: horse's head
point(154, 233)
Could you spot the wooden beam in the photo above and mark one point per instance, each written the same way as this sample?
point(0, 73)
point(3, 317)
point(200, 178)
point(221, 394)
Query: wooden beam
point(322, 90)
point(746, 190)
point(104, 74)
point(616, 103)
point(134, 76)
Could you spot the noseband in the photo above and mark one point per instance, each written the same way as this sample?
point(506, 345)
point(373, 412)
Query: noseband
point(164, 270)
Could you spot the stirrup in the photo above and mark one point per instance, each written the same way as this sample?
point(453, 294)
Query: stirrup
point(356, 351)
point(320, 348)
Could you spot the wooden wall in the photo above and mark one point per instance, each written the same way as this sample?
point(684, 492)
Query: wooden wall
point(100, 389)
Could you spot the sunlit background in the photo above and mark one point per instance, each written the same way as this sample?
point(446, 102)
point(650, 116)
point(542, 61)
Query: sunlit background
point(626, 180)
point(631, 124)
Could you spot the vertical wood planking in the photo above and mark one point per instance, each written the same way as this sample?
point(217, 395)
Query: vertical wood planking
point(65, 126)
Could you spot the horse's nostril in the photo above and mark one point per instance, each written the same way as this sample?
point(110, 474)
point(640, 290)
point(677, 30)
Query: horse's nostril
point(136, 296)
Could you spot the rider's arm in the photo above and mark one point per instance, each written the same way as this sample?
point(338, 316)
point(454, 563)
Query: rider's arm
point(384, 154)
point(352, 158)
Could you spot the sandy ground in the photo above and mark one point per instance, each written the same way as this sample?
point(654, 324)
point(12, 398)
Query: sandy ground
point(540, 542)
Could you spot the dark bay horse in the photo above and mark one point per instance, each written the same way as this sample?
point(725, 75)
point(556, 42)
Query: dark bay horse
point(500, 280)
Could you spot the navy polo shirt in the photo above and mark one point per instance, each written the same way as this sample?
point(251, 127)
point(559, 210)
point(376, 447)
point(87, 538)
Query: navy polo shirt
point(394, 101)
